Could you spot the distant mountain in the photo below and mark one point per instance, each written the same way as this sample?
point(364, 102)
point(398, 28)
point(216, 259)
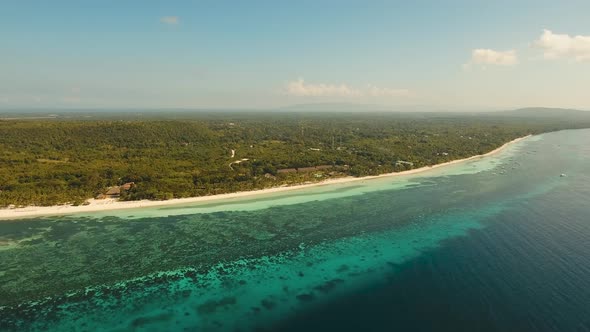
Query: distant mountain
point(353, 107)
point(545, 112)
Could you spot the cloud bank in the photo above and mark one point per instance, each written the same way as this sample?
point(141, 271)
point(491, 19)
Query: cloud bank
point(302, 89)
point(557, 46)
point(375, 91)
point(170, 20)
point(484, 57)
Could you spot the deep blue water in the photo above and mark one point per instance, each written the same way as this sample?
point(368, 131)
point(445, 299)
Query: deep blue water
point(498, 244)
point(528, 271)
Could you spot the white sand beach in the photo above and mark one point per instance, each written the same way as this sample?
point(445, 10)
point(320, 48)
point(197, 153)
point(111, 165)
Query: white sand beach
point(95, 205)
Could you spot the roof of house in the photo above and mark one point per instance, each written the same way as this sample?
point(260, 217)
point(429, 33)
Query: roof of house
point(306, 169)
point(127, 185)
point(314, 168)
point(114, 191)
point(287, 170)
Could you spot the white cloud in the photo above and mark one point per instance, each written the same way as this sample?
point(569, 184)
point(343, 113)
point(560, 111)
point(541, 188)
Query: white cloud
point(301, 88)
point(170, 20)
point(374, 91)
point(485, 57)
point(564, 46)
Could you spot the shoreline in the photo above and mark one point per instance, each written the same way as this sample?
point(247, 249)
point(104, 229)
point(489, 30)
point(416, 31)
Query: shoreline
point(113, 204)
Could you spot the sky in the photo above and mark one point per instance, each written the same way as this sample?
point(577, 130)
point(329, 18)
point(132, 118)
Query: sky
point(439, 55)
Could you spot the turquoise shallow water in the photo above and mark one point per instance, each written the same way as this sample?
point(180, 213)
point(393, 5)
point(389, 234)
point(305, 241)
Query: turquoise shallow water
point(501, 243)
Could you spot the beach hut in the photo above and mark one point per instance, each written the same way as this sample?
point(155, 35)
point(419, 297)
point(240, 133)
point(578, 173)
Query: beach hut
point(287, 170)
point(270, 176)
point(113, 192)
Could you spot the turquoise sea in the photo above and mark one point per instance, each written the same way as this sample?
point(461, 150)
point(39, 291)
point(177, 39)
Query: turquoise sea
point(501, 243)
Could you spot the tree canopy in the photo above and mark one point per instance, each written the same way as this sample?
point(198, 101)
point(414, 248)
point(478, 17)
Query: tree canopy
point(48, 161)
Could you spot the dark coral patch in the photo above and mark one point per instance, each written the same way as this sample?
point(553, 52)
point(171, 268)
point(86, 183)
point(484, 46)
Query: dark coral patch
point(268, 304)
point(212, 305)
point(343, 268)
point(141, 321)
point(328, 286)
point(306, 297)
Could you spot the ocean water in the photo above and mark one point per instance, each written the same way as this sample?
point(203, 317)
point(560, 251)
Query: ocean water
point(500, 243)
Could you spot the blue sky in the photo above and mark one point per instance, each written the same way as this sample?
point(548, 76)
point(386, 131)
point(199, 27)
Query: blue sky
point(265, 54)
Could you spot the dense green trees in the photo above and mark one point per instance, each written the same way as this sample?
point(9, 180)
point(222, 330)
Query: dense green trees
point(47, 162)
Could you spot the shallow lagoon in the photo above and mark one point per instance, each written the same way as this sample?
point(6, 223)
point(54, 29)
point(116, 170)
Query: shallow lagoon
point(307, 259)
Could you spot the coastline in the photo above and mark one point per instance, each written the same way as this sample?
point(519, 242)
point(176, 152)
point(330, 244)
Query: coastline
point(112, 204)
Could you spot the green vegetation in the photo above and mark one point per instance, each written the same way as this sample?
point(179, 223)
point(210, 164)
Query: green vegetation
point(68, 160)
